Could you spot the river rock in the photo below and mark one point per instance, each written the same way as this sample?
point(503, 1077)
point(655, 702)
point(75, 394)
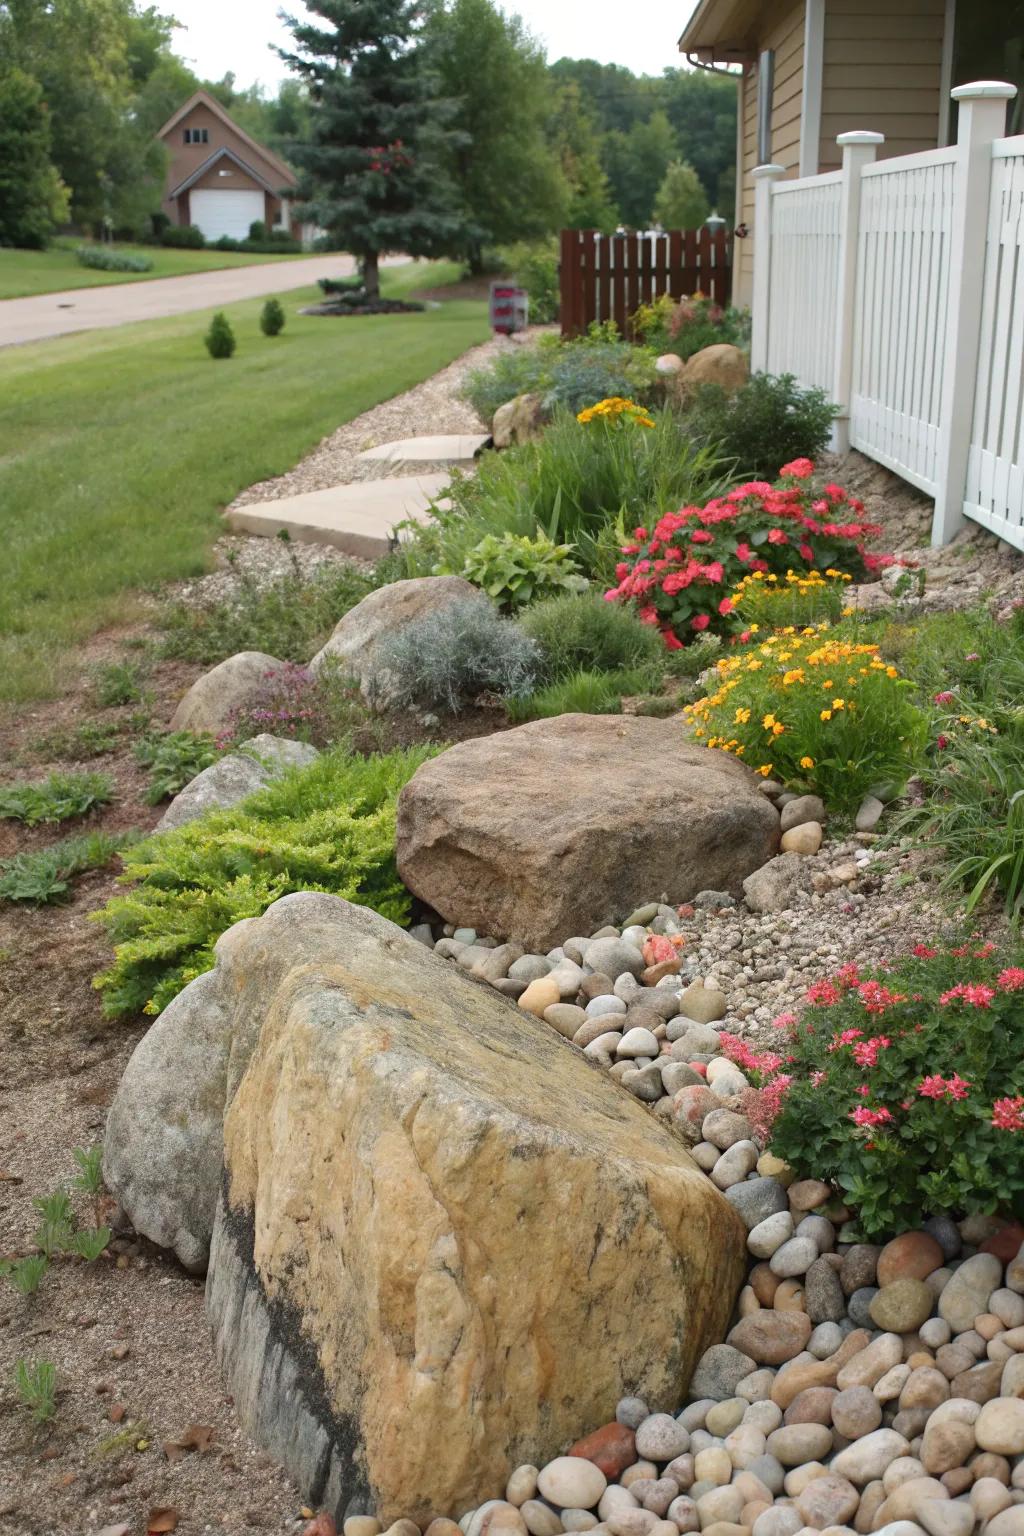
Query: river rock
point(719, 1371)
point(827, 1500)
point(966, 1296)
point(901, 1306)
point(1000, 1426)
point(571, 1482)
point(801, 809)
point(823, 1294)
point(388, 1124)
point(556, 826)
point(775, 885)
point(911, 1256)
point(770, 1337)
point(867, 1459)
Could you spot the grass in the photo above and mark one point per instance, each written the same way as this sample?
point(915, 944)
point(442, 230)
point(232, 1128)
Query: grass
point(23, 273)
point(121, 447)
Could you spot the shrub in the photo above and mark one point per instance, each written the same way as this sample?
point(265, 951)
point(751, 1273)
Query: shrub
point(183, 236)
point(329, 827)
point(45, 875)
point(583, 485)
point(534, 266)
point(581, 693)
point(272, 318)
point(173, 759)
point(817, 711)
point(220, 338)
point(573, 374)
point(446, 659)
point(906, 1087)
point(767, 421)
point(685, 326)
point(290, 617)
point(514, 569)
point(684, 572)
point(798, 599)
point(60, 797)
point(118, 682)
point(577, 632)
point(257, 230)
point(103, 259)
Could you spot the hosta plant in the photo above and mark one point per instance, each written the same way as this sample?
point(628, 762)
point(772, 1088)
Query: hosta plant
point(683, 571)
point(514, 570)
point(904, 1087)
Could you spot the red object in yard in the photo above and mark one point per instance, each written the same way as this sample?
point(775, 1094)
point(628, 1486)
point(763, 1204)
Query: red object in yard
point(510, 309)
point(612, 1448)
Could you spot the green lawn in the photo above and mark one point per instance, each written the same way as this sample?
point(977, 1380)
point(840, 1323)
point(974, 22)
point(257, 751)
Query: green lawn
point(119, 447)
point(27, 272)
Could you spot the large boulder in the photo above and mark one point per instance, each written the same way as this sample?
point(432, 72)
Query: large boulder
point(721, 364)
point(232, 778)
point(563, 825)
point(445, 1239)
point(231, 685)
point(353, 645)
point(519, 420)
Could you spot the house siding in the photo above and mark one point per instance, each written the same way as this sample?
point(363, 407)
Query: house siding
point(185, 159)
point(782, 29)
point(867, 84)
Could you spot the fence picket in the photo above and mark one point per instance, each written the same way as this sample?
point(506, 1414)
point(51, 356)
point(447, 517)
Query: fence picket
point(608, 277)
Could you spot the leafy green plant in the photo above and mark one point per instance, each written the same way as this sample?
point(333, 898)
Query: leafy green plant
point(220, 338)
point(57, 1222)
point(821, 713)
point(904, 1086)
point(60, 797)
point(581, 693)
point(92, 738)
point(272, 318)
point(567, 374)
point(89, 1245)
point(446, 659)
point(580, 631)
point(35, 1382)
point(89, 1179)
point(25, 1275)
point(769, 420)
point(118, 682)
point(534, 266)
point(45, 875)
point(173, 759)
point(514, 569)
point(329, 827)
point(103, 259)
point(290, 617)
point(685, 326)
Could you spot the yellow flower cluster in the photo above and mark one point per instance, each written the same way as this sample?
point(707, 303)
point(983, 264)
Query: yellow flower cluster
point(616, 408)
point(798, 581)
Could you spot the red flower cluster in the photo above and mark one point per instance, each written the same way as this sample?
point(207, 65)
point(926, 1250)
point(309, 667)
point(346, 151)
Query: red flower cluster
point(974, 994)
point(1008, 1114)
point(682, 571)
point(939, 1087)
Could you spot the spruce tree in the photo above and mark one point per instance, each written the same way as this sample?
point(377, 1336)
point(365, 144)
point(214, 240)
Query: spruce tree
point(372, 170)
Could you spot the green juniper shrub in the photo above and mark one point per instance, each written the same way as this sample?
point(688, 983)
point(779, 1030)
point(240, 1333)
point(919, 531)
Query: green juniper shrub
point(102, 259)
point(173, 759)
point(903, 1086)
point(580, 631)
point(61, 797)
point(290, 617)
point(581, 693)
point(272, 318)
point(763, 424)
point(328, 827)
point(45, 875)
point(568, 374)
point(447, 659)
point(514, 569)
point(220, 338)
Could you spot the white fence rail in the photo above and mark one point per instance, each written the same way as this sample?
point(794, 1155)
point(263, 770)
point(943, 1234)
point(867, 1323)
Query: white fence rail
point(898, 287)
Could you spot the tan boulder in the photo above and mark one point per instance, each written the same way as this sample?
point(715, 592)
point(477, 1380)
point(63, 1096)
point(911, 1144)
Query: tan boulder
point(519, 420)
point(235, 683)
point(353, 645)
point(438, 1222)
point(721, 364)
point(562, 825)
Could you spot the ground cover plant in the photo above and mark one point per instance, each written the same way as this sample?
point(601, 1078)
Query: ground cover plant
point(448, 658)
point(685, 326)
point(904, 1086)
point(764, 423)
point(103, 258)
point(819, 712)
point(328, 827)
point(293, 702)
point(683, 571)
point(60, 797)
point(173, 759)
point(44, 875)
point(23, 273)
point(569, 374)
point(583, 692)
point(138, 510)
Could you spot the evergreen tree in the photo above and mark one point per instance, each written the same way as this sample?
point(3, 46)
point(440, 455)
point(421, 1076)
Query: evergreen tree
point(575, 142)
point(33, 199)
point(681, 202)
point(372, 171)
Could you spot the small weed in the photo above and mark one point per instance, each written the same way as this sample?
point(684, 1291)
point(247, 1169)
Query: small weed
point(93, 738)
point(56, 1230)
point(45, 875)
point(58, 798)
point(173, 760)
point(581, 693)
point(118, 682)
point(35, 1382)
point(25, 1274)
point(132, 1437)
point(90, 1170)
point(89, 1245)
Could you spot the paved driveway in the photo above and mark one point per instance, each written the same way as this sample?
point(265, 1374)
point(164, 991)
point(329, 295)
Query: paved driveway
point(88, 309)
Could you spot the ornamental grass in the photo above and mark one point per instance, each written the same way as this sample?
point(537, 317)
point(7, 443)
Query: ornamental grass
point(823, 713)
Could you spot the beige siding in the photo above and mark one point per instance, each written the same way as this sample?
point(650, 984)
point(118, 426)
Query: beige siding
point(782, 29)
point(882, 70)
point(184, 158)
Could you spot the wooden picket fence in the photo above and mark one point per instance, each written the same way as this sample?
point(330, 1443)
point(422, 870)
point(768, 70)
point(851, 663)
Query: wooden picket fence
point(608, 277)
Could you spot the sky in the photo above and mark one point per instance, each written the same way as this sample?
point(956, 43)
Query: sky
point(221, 35)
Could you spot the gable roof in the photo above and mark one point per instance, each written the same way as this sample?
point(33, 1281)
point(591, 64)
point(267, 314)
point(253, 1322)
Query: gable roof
point(203, 98)
point(223, 154)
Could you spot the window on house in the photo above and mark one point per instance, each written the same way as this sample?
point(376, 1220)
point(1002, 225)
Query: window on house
point(765, 93)
point(196, 135)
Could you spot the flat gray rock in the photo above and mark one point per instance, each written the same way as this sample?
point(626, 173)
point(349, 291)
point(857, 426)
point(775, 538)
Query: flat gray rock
point(235, 777)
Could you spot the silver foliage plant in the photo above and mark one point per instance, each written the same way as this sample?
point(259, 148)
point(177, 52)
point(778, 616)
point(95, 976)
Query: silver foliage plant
point(446, 659)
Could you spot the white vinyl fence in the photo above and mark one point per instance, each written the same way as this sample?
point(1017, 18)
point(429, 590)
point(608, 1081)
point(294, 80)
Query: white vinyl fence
point(897, 286)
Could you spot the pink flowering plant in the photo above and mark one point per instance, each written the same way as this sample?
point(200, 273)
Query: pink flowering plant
point(682, 573)
point(904, 1087)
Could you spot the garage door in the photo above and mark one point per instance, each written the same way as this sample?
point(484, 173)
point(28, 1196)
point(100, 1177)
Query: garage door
point(226, 213)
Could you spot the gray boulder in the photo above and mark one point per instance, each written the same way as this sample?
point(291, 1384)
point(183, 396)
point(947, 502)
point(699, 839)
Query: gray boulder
point(233, 684)
point(774, 887)
point(232, 778)
point(353, 645)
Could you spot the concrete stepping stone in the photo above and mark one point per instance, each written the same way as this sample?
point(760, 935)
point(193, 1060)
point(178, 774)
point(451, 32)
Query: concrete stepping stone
point(451, 448)
point(358, 518)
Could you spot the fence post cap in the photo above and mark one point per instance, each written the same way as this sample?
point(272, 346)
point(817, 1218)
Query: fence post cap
point(984, 90)
point(859, 136)
point(763, 172)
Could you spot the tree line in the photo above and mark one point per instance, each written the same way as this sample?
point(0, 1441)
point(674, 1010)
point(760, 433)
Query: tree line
point(440, 129)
